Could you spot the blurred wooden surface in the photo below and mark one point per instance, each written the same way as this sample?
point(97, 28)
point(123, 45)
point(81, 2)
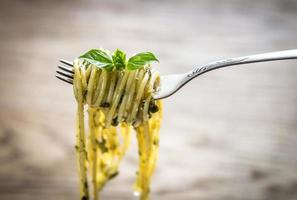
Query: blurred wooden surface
point(231, 134)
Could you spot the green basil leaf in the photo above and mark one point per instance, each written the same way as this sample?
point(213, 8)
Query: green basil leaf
point(119, 59)
point(140, 59)
point(99, 58)
point(106, 66)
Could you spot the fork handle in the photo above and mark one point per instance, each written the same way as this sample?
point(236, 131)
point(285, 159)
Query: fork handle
point(278, 55)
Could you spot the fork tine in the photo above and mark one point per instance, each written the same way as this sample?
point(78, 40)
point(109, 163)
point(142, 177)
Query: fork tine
point(64, 79)
point(66, 62)
point(66, 69)
point(65, 74)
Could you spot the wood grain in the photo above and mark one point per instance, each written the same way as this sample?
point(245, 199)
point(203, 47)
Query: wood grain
point(231, 134)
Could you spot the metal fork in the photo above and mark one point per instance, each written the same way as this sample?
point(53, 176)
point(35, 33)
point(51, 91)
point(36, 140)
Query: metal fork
point(172, 83)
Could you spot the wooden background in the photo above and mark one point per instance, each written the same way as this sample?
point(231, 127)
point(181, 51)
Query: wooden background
point(231, 134)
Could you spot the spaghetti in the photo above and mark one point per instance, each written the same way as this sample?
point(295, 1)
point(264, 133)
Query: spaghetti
point(118, 97)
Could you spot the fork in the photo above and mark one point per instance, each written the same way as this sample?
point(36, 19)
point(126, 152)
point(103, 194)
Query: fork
point(172, 83)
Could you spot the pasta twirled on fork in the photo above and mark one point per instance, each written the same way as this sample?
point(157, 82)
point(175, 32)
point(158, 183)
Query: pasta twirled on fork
point(117, 100)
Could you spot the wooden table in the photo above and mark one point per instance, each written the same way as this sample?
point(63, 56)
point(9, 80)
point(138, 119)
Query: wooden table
point(229, 135)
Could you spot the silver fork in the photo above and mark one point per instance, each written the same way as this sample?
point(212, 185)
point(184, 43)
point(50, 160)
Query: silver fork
point(172, 83)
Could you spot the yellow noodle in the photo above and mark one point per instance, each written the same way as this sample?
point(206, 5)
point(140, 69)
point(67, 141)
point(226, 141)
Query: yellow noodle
point(88, 70)
point(91, 85)
point(98, 81)
point(116, 99)
point(80, 136)
point(111, 87)
point(139, 95)
point(92, 156)
point(129, 102)
point(129, 94)
point(125, 98)
point(101, 88)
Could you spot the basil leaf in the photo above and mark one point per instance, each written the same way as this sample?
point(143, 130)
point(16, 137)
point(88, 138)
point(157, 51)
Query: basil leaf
point(119, 59)
point(99, 58)
point(140, 59)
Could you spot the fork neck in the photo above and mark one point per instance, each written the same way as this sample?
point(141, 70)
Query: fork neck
point(272, 56)
point(212, 66)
